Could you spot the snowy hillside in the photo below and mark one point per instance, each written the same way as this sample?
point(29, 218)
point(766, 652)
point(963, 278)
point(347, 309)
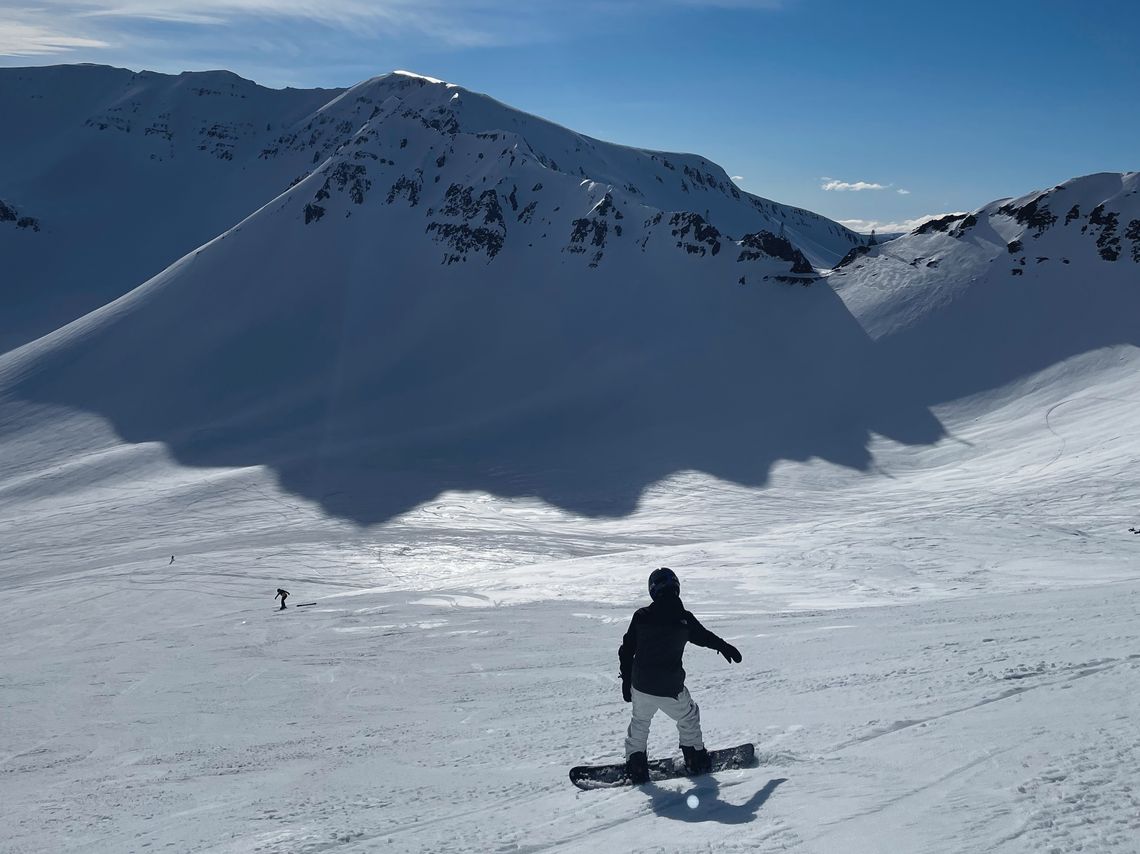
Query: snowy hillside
point(971, 303)
point(446, 304)
point(1077, 230)
point(125, 172)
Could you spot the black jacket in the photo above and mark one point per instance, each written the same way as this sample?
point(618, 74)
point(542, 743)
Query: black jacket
point(651, 650)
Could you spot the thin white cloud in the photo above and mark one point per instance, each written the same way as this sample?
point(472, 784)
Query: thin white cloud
point(25, 38)
point(55, 26)
point(456, 23)
point(903, 192)
point(737, 177)
point(159, 13)
point(59, 26)
point(849, 186)
point(866, 226)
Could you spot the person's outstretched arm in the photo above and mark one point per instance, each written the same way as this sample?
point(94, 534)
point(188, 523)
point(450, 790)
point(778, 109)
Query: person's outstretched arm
point(701, 636)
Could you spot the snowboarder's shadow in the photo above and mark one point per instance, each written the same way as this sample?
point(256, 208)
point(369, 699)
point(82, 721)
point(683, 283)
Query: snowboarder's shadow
point(707, 806)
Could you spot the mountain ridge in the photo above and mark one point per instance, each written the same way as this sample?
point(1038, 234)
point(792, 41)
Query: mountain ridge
point(127, 171)
point(1093, 219)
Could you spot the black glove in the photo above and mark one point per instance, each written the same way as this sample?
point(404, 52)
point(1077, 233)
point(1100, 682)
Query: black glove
point(730, 653)
point(625, 691)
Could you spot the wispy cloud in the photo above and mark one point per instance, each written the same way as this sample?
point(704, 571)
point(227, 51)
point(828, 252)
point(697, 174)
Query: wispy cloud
point(33, 38)
point(54, 26)
point(886, 227)
point(831, 185)
point(903, 192)
point(737, 177)
point(59, 26)
point(455, 23)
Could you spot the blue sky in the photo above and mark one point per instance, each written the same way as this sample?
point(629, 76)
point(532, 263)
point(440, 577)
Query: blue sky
point(873, 112)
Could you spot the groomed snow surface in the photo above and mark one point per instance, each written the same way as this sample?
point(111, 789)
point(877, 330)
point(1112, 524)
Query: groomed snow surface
point(941, 656)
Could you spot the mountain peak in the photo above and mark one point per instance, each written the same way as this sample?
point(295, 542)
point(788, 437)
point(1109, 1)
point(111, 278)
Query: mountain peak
point(422, 138)
point(424, 77)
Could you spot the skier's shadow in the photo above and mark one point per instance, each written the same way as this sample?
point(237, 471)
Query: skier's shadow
point(707, 805)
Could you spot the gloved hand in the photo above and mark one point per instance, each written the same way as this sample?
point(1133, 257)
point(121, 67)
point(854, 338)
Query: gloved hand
point(731, 654)
point(625, 691)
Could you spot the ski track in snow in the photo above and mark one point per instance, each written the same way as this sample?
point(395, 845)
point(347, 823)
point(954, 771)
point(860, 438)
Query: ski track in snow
point(428, 728)
point(944, 660)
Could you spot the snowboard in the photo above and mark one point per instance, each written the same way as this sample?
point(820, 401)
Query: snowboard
point(611, 776)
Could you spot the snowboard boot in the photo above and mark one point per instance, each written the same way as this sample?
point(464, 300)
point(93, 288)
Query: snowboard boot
point(696, 761)
point(637, 767)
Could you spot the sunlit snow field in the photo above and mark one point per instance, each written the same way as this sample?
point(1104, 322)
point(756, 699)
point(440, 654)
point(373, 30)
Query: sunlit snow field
point(941, 654)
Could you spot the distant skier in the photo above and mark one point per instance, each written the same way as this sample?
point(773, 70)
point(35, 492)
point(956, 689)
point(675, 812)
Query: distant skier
point(653, 679)
point(171, 561)
point(283, 595)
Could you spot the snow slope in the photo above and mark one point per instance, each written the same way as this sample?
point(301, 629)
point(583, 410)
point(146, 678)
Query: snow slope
point(938, 658)
point(125, 172)
point(437, 307)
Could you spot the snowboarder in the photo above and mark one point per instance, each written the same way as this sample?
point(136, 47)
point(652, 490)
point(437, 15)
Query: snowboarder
point(283, 594)
point(653, 679)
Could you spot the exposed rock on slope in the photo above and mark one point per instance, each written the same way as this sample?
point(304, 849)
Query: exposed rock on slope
point(464, 158)
point(8, 214)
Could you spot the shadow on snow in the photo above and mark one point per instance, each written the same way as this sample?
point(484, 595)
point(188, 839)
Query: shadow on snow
point(708, 806)
point(581, 390)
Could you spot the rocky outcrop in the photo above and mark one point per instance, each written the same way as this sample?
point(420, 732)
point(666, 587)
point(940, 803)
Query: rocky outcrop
point(473, 224)
point(9, 215)
point(764, 244)
point(856, 253)
point(694, 235)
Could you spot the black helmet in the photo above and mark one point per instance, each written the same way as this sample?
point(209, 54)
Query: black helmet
point(661, 580)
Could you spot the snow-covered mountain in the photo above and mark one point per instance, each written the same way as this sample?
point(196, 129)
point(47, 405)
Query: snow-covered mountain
point(459, 287)
point(973, 302)
point(125, 172)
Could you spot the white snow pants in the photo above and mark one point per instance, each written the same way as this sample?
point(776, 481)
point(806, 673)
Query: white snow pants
point(681, 708)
